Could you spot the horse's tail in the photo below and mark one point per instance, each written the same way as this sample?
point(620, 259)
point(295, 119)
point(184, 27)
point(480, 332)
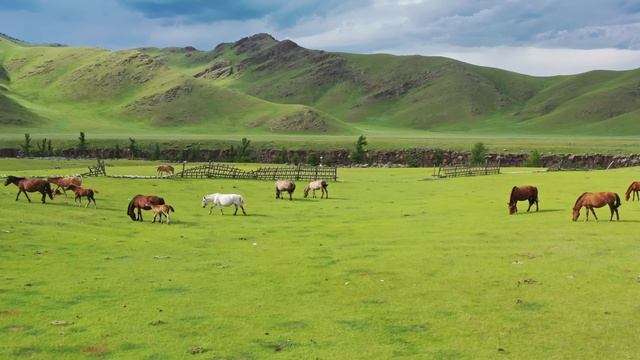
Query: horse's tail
point(627, 194)
point(241, 200)
point(306, 190)
point(324, 184)
point(95, 191)
point(579, 198)
point(171, 208)
point(617, 202)
point(130, 209)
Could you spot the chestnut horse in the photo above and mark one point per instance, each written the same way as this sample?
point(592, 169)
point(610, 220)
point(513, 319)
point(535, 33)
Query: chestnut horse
point(160, 210)
point(82, 192)
point(30, 185)
point(635, 188)
point(168, 169)
point(285, 185)
point(597, 200)
point(64, 182)
point(142, 202)
point(522, 193)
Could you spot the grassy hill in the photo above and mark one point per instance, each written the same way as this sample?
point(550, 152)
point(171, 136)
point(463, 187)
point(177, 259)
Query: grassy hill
point(261, 85)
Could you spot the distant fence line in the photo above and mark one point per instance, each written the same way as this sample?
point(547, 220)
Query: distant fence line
point(215, 170)
point(467, 170)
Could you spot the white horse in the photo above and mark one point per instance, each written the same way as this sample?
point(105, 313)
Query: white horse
point(223, 200)
point(317, 185)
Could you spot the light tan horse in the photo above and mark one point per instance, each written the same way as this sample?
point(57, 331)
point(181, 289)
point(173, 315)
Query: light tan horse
point(317, 185)
point(64, 182)
point(597, 200)
point(285, 185)
point(160, 210)
point(165, 169)
point(635, 188)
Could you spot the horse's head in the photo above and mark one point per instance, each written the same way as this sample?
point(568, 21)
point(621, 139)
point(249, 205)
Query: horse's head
point(512, 208)
point(576, 214)
point(204, 202)
point(306, 191)
point(8, 180)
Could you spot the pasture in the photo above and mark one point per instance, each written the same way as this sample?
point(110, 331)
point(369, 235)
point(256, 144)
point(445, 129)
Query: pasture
point(390, 266)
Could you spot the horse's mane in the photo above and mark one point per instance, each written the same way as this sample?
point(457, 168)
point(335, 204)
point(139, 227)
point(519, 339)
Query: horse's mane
point(626, 194)
point(513, 190)
point(579, 198)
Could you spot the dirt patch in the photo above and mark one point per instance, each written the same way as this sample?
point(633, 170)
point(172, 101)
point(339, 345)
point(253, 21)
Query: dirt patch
point(8, 313)
point(307, 120)
point(529, 282)
point(94, 350)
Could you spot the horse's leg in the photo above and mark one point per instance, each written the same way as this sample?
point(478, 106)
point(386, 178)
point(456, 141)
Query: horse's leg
point(139, 214)
point(44, 196)
point(211, 209)
point(95, 206)
point(277, 194)
point(154, 217)
point(167, 214)
point(290, 198)
point(530, 204)
point(88, 202)
point(611, 208)
point(587, 218)
point(617, 215)
point(326, 193)
point(235, 212)
point(243, 213)
point(27, 195)
point(221, 210)
point(19, 191)
point(594, 214)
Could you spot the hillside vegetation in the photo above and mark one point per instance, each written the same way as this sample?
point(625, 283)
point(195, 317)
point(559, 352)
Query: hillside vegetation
point(260, 85)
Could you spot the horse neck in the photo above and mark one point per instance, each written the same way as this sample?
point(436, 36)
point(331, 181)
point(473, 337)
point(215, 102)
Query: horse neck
point(631, 188)
point(579, 202)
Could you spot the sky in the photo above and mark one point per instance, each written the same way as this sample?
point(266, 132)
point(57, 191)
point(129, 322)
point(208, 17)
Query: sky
point(536, 37)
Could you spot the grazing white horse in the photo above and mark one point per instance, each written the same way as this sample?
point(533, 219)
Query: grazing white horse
point(223, 200)
point(317, 185)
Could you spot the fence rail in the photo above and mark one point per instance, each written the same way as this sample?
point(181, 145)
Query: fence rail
point(465, 170)
point(214, 170)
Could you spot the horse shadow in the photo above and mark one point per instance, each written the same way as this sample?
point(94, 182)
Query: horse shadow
point(542, 211)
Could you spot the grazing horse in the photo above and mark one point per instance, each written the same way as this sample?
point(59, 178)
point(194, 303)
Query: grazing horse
point(82, 192)
point(521, 193)
point(317, 185)
point(224, 200)
point(142, 202)
point(30, 185)
point(159, 210)
point(162, 169)
point(64, 182)
point(285, 185)
point(597, 200)
point(635, 188)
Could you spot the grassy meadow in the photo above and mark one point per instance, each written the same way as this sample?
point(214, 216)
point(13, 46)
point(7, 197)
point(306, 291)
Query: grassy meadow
point(392, 265)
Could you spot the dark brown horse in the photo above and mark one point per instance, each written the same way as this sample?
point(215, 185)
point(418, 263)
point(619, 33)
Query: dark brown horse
point(142, 202)
point(82, 192)
point(64, 182)
point(30, 185)
point(635, 189)
point(597, 200)
point(522, 193)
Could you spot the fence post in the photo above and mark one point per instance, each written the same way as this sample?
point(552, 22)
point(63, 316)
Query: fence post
point(184, 163)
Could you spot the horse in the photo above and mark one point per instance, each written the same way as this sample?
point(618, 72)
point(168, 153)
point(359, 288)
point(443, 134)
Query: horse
point(30, 185)
point(64, 182)
point(285, 185)
point(529, 193)
point(168, 169)
point(82, 192)
point(224, 200)
point(159, 210)
point(635, 188)
point(597, 200)
point(317, 185)
point(142, 202)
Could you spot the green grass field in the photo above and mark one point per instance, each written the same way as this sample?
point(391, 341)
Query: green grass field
point(391, 266)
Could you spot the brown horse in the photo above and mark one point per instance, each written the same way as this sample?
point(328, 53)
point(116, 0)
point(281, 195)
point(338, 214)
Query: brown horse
point(285, 185)
point(165, 169)
point(82, 192)
point(142, 202)
point(522, 193)
point(64, 182)
point(30, 185)
point(635, 188)
point(597, 200)
point(160, 210)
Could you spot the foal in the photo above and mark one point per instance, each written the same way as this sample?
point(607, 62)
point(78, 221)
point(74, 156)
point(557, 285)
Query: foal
point(82, 192)
point(159, 210)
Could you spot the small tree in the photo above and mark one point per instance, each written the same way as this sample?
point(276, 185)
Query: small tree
point(49, 148)
point(534, 159)
point(296, 158)
point(282, 157)
point(243, 152)
point(360, 152)
point(133, 147)
point(26, 146)
point(42, 147)
point(156, 152)
point(117, 152)
point(82, 143)
point(195, 152)
point(438, 157)
point(313, 159)
point(478, 153)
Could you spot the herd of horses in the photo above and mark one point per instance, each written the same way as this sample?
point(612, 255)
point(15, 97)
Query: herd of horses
point(587, 200)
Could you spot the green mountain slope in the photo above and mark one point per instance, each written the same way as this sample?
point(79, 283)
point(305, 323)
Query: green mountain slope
point(259, 84)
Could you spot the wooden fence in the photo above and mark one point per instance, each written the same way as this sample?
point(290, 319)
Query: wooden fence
point(214, 170)
point(466, 170)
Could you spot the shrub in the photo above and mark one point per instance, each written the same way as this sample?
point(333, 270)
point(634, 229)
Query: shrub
point(534, 159)
point(359, 154)
point(478, 153)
